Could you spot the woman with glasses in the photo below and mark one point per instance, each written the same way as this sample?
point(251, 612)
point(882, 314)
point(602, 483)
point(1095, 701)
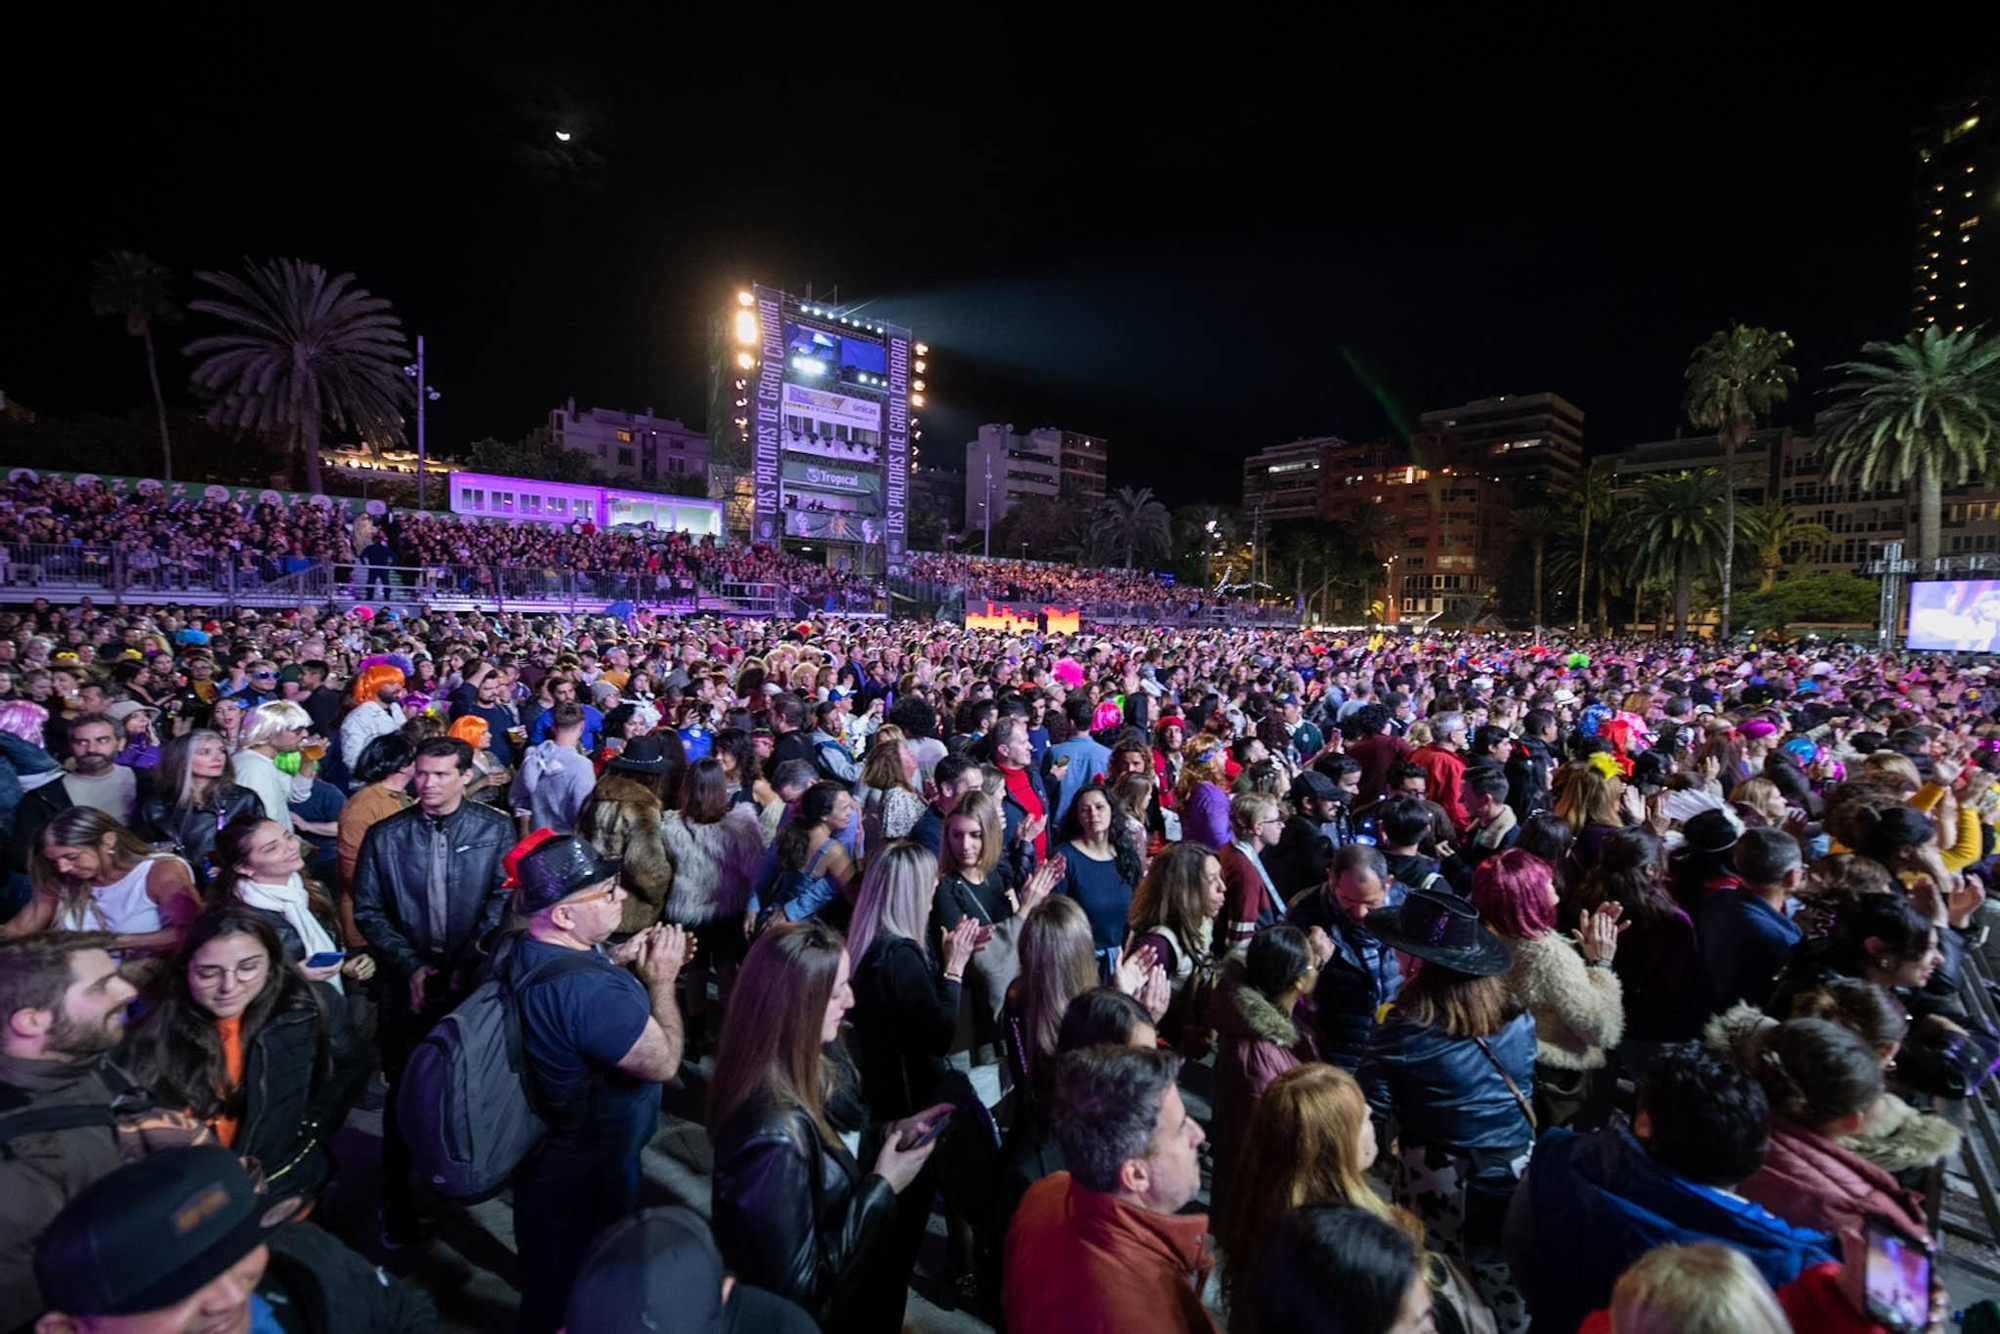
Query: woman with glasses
point(1249, 899)
point(247, 1045)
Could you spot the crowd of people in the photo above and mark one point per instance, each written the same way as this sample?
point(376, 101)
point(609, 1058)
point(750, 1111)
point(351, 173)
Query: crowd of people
point(1185, 980)
point(173, 544)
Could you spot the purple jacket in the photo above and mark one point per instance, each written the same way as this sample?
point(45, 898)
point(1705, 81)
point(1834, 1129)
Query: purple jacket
point(1206, 817)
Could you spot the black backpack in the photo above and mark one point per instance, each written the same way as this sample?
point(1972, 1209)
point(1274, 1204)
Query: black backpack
point(18, 1115)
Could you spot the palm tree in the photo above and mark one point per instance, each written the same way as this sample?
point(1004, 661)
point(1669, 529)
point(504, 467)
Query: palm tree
point(1735, 379)
point(1675, 529)
point(1590, 512)
point(1133, 521)
point(133, 288)
point(1922, 413)
point(1534, 523)
point(303, 349)
point(1770, 528)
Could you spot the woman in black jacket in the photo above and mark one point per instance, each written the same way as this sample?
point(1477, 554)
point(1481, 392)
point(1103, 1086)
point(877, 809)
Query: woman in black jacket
point(192, 797)
point(793, 1210)
point(242, 1041)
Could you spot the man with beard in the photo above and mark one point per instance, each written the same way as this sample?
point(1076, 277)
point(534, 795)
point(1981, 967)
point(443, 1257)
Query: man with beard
point(376, 711)
point(63, 1106)
point(1319, 824)
point(95, 779)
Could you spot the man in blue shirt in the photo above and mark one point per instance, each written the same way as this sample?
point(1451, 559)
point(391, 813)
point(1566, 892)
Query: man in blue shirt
point(1745, 935)
point(563, 690)
point(598, 1042)
point(1072, 764)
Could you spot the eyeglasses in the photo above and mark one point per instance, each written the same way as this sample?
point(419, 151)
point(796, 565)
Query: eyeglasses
point(263, 676)
point(249, 970)
point(576, 899)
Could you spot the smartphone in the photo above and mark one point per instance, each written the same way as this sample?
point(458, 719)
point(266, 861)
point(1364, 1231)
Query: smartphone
point(1896, 1278)
point(326, 959)
point(937, 1128)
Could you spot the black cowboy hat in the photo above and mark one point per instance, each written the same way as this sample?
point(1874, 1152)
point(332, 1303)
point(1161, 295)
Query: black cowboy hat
point(1443, 929)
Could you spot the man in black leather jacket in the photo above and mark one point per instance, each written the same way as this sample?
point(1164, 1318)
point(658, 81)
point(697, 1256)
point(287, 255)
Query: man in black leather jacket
point(428, 890)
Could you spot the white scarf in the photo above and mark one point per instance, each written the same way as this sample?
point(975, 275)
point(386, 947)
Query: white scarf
point(290, 902)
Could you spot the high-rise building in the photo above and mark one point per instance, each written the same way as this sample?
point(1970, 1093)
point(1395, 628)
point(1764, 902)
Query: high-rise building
point(1285, 481)
point(1533, 442)
point(1046, 464)
point(1442, 528)
point(630, 446)
point(1957, 280)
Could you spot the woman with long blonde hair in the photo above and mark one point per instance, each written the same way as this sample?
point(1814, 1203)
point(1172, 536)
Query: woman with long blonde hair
point(1310, 1141)
point(1590, 799)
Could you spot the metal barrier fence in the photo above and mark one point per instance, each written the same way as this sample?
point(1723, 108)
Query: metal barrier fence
point(1972, 1211)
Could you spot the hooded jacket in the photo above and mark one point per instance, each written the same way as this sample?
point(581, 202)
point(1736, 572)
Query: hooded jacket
point(554, 782)
point(1814, 1182)
point(1255, 1044)
point(715, 865)
point(1593, 1203)
point(1579, 1010)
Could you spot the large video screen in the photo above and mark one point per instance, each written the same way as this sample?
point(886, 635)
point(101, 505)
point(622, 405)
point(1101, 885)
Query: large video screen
point(1955, 615)
point(815, 353)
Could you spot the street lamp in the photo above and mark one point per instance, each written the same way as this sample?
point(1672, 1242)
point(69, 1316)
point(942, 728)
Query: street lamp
point(425, 394)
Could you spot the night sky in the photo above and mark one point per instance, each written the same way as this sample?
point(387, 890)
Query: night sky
point(1196, 243)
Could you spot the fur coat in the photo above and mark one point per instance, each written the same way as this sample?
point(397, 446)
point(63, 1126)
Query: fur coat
point(1579, 1010)
point(622, 821)
point(715, 865)
point(1256, 1042)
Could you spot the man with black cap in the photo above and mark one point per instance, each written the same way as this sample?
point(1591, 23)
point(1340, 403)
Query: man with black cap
point(660, 1269)
point(1315, 829)
point(598, 1043)
point(183, 1242)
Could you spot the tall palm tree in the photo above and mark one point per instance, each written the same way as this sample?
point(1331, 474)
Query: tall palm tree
point(1590, 514)
point(1534, 523)
point(1132, 521)
point(1734, 380)
point(303, 349)
point(1922, 413)
point(134, 288)
point(1675, 530)
point(1770, 528)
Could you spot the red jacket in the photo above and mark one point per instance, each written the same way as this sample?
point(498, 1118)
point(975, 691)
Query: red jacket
point(1377, 755)
point(1086, 1263)
point(1813, 1182)
point(1244, 899)
point(1446, 770)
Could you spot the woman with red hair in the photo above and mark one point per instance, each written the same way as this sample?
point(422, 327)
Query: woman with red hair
point(487, 776)
point(1568, 985)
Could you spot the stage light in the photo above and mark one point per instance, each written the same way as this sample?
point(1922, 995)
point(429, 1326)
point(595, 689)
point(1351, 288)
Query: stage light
point(916, 400)
point(563, 135)
point(923, 349)
point(808, 366)
point(745, 360)
point(920, 368)
point(744, 299)
point(917, 385)
point(746, 327)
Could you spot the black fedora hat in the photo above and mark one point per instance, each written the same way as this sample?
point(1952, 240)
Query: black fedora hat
point(558, 868)
point(641, 755)
point(1443, 929)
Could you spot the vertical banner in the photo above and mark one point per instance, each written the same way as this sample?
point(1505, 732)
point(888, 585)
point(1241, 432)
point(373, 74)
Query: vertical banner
point(770, 389)
point(896, 457)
